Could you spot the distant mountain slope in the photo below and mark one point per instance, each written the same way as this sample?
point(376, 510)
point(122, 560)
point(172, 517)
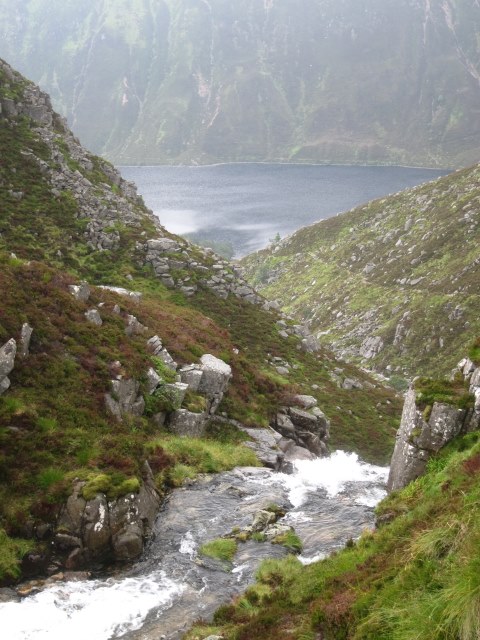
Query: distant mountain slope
point(357, 81)
point(393, 284)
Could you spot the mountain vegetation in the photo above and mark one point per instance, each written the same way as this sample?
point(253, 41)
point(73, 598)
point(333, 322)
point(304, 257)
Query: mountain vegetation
point(392, 284)
point(104, 307)
point(369, 81)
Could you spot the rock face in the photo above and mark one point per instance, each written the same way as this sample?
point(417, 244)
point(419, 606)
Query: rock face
point(99, 530)
point(418, 438)
point(7, 362)
point(308, 429)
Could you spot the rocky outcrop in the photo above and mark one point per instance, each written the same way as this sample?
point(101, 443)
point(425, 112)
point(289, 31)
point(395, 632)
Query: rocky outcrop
point(422, 434)
point(125, 399)
point(306, 426)
point(99, 530)
point(7, 362)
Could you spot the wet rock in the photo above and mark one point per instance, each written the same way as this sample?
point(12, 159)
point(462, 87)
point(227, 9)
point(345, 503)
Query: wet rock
point(262, 519)
point(265, 445)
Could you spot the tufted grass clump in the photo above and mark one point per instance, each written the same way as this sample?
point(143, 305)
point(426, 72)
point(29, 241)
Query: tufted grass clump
point(221, 549)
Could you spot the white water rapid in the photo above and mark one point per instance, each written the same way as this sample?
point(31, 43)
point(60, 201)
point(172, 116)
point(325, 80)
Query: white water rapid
point(329, 500)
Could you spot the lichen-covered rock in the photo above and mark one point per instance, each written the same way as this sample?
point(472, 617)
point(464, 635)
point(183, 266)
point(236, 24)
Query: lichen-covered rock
point(93, 316)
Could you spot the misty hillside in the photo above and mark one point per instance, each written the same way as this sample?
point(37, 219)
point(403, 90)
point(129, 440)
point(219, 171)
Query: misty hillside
point(357, 81)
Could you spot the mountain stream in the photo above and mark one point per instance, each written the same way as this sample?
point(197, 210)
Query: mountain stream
point(327, 500)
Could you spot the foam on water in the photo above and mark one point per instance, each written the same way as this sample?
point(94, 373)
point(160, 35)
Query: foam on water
point(332, 474)
point(97, 610)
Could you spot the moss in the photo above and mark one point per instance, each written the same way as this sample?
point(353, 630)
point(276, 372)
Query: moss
point(113, 486)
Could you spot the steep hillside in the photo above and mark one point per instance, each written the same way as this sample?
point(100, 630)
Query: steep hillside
point(358, 81)
point(117, 340)
point(393, 284)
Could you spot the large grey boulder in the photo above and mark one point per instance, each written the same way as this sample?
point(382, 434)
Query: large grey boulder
point(216, 375)
point(419, 438)
point(191, 375)
point(7, 362)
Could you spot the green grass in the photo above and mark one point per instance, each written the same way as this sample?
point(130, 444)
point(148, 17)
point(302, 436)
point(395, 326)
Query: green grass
point(220, 549)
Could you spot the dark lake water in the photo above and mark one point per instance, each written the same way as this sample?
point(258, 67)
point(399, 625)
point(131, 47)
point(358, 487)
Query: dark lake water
point(246, 205)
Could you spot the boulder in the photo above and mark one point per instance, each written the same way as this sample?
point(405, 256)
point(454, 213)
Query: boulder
point(153, 380)
point(134, 327)
point(187, 423)
point(93, 316)
point(191, 375)
point(163, 245)
point(80, 291)
point(306, 402)
point(100, 530)
point(216, 375)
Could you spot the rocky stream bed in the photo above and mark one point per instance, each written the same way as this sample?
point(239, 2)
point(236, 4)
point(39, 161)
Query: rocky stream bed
point(327, 501)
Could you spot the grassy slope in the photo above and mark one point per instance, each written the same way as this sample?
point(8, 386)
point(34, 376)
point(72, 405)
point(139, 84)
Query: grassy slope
point(351, 276)
point(53, 424)
point(416, 577)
